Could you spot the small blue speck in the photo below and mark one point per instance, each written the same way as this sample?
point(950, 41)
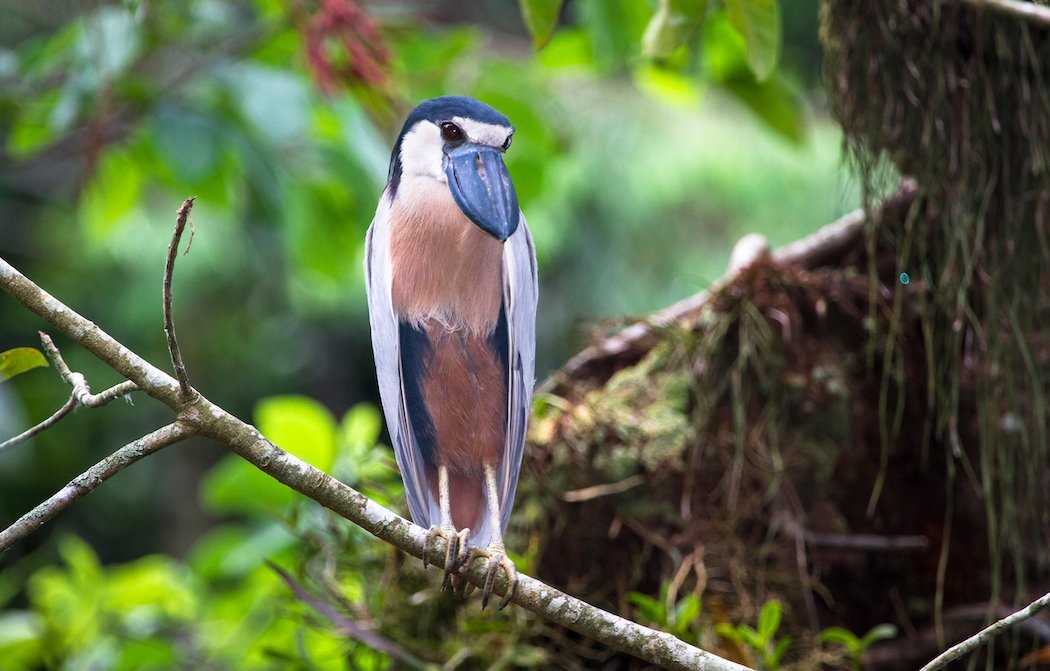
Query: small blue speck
point(905, 279)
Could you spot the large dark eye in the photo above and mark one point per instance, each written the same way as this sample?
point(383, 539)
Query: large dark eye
point(450, 132)
point(506, 143)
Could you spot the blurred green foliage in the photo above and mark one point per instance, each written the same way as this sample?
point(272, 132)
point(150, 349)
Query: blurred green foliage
point(762, 642)
point(855, 646)
point(633, 161)
point(220, 607)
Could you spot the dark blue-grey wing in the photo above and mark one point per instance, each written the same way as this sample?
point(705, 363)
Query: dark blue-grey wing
point(520, 295)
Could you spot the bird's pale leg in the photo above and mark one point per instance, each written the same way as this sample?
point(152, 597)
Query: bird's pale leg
point(495, 553)
point(455, 541)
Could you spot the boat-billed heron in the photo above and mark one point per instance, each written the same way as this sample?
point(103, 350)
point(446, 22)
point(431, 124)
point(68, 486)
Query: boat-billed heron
point(451, 276)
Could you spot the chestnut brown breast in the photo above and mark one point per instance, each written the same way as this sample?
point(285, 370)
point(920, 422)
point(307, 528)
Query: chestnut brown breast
point(445, 269)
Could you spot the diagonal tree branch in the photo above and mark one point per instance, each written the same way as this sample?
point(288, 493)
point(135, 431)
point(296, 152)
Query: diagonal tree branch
point(206, 418)
point(987, 634)
point(81, 394)
point(90, 479)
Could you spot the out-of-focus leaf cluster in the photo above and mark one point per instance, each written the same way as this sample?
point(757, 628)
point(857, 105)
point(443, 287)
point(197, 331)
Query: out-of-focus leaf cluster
point(220, 607)
point(732, 44)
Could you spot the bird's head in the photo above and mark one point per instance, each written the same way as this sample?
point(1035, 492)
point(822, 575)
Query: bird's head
point(460, 142)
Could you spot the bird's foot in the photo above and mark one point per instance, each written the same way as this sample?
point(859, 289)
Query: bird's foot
point(495, 559)
point(455, 550)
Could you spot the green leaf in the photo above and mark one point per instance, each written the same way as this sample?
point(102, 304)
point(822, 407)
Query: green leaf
point(673, 24)
point(541, 17)
point(775, 102)
point(729, 632)
point(21, 640)
point(686, 612)
point(300, 426)
point(759, 22)
point(34, 126)
point(773, 658)
point(19, 360)
point(111, 194)
point(878, 633)
point(751, 637)
point(649, 608)
point(361, 426)
point(841, 636)
point(769, 620)
point(614, 29)
point(150, 588)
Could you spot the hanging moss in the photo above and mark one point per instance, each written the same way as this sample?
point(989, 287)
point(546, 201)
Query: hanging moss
point(960, 100)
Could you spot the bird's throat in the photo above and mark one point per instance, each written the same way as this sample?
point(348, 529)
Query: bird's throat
point(445, 269)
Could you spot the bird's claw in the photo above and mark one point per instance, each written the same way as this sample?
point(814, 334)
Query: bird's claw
point(455, 544)
point(496, 558)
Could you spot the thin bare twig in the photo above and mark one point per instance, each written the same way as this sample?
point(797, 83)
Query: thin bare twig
point(987, 634)
point(1028, 11)
point(169, 328)
point(81, 388)
point(90, 479)
point(206, 418)
point(596, 491)
point(81, 394)
point(66, 408)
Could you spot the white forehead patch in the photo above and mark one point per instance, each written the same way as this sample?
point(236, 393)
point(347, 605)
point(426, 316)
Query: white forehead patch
point(494, 135)
point(421, 152)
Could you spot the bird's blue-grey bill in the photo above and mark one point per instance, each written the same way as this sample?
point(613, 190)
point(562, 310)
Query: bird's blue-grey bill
point(482, 189)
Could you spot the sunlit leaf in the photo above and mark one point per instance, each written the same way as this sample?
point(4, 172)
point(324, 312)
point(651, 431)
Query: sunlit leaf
point(651, 609)
point(686, 612)
point(112, 193)
point(300, 426)
point(778, 652)
point(759, 22)
point(33, 128)
point(776, 103)
point(769, 619)
point(779, 105)
point(673, 24)
point(19, 360)
point(21, 640)
point(667, 85)
point(361, 425)
point(840, 636)
point(751, 637)
point(149, 587)
point(541, 17)
point(728, 631)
